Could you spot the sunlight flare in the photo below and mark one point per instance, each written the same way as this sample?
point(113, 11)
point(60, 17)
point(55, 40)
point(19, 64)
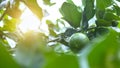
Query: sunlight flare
point(29, 21)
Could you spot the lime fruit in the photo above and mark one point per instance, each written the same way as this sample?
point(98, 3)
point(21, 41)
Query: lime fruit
point(78, 41)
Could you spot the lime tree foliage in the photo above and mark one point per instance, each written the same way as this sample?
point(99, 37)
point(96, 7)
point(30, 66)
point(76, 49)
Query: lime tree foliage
point(86, 36)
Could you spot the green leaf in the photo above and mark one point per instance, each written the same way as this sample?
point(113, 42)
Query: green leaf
point(102, 4)
point(102, 22)
point(0, 1)
point(118, 0)
point(10, 25)
point(88, 13)
point(103, 52)
point(101, 31)
point(70, 1)
point(51, 28)
point(6, 60)
point(13, 9)
point(110, 16)
point(47, 2)
point(14, 12)
point(52, 32)
point(117, 8)
point(34, 7)
point(71, 14)
point(83, 2)
point(89, 9)
point(100, 14)
point(63, 61)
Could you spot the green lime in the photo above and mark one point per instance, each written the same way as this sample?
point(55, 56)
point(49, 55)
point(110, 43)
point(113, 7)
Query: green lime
point(78, 41)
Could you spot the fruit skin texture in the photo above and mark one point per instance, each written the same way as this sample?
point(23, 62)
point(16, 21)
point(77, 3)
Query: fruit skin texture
point(78, 41)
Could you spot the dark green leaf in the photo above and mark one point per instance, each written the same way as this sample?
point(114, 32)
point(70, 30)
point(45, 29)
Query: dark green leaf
point(34, 7)
point(0, 1)
point(111, 16)
point(118, 0)
point(88, 13)
point(117, 8)
point(71, 14)
point(115, 23)
point(102, 4)
point(101, 31)
point(102, 22)
point(69, 32)
point(89, 9)
point(6, 60)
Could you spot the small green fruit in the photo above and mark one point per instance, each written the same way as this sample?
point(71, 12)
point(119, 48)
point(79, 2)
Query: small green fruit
point(78, 41)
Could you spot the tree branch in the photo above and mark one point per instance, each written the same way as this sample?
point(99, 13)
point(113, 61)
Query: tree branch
point(5, 11)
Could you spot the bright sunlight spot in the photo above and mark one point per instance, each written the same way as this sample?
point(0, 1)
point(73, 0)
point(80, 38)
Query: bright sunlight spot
point(29, 21)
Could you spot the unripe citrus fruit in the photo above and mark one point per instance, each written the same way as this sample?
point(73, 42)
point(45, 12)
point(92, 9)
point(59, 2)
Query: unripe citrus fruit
point(78, 41)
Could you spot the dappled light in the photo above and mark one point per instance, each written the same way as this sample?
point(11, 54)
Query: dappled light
point(29, 21)
point(59, 34)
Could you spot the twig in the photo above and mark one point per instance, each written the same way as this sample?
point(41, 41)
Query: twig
point(5, 11)
point(3, 15)
point(57, 39)
point(91, 28)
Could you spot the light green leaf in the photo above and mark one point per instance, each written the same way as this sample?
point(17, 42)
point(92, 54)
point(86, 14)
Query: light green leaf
point(100, 14)
point(103, 52)
point(71, 14)
point(63, 61)
point(6, 60)
point(48, 2)
point(51, 28)
point(13, 10)
point(34, 7)
point(10, 25)
point(102, 4)
point(70, 1)
point(83, 2)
